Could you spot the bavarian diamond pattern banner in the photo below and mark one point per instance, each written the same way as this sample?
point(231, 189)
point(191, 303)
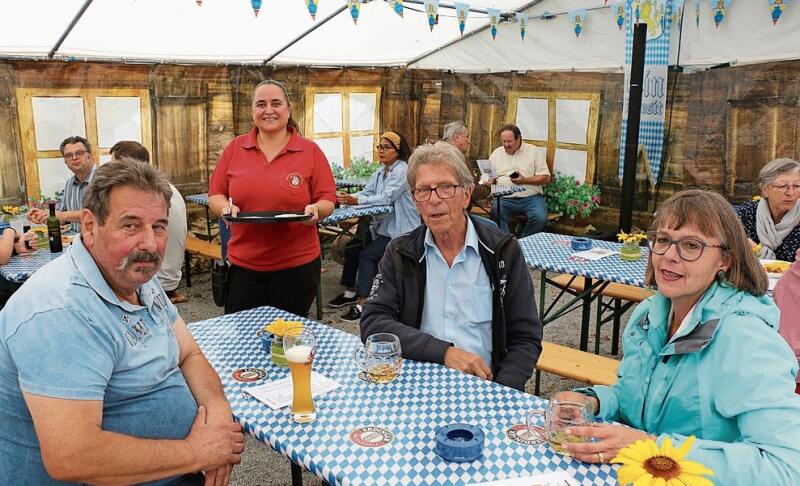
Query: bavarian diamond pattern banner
point(656, 14)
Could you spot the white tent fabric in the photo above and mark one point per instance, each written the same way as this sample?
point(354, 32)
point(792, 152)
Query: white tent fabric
point(225, 31)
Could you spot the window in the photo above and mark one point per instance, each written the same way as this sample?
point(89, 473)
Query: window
point(344, 122)
point(102, 116)
point(564, 123)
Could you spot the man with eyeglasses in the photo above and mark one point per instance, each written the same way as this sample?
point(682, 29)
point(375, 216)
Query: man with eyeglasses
point(456, 291)
point(77, 154)
point(520, 163)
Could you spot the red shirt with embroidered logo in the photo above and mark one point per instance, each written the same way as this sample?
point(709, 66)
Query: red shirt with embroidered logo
point(299, 175)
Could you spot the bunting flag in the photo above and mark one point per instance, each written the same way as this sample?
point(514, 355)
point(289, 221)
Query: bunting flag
point(635, 6)
point(256, 6)
point(697, 13)
point(312, 8)
point(619, 14)
point(432, 11)
point(578, 18)
point(494, 19)
point(523, 24)
point(462, 11)
point(719, 7)
point(397, 6)
point(777, 10)
point(355, 8)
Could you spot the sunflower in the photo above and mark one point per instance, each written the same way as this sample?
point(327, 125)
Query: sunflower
point(644, 464)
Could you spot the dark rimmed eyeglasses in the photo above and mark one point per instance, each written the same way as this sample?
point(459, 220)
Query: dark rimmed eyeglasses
point(689, 249)
point(75, 155)
point(445, 191)
point(383, 147)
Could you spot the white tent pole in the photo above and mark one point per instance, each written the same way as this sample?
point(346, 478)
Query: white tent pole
point(426, 54)
point(308, 31)
point(69, 29)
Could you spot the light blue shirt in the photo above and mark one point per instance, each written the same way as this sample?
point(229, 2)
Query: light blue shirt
point(72, 199)
point(390, 189)
point(458, 299)
point(65, 334)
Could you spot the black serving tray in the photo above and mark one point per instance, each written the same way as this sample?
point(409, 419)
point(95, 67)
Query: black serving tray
point(267, 217)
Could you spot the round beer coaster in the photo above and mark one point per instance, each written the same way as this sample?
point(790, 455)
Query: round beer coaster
point(371, 436)
point(249, 375)
point(519, 433)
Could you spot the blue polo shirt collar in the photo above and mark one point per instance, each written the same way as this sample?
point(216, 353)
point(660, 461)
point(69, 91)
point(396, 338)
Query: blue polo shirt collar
point(470, 241)
point(85, 264)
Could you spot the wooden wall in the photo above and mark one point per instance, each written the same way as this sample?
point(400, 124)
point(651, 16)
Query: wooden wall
point(722, 124)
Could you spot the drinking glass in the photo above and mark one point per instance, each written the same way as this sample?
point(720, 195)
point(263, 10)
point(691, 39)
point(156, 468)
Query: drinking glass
point(299, 347)
point(559, 415)
point(380, 357)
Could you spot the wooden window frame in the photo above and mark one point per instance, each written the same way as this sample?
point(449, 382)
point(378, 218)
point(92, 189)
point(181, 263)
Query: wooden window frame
point(592, 127)
point(30, 154)
point(345, 134)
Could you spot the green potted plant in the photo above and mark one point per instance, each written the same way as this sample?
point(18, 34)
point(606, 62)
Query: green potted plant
point(566, 195)
point(360, 168)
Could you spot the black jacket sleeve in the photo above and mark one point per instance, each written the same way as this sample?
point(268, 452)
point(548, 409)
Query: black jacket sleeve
point(388, 309)
point(523, 327)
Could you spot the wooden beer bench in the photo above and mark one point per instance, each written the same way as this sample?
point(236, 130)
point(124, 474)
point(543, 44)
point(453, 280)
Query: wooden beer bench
point(576, 365)
point(617, 292)
point(201, 248)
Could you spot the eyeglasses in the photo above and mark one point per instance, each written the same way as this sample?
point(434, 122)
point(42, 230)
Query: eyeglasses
point(784, 188)
point(689, 249)
point(75, 155)
point(445, 191)
point(383, 147)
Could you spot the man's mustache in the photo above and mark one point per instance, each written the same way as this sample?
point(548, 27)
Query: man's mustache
point(137, 256)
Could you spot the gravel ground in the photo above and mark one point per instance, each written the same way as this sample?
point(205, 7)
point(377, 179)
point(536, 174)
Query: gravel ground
point(263, 466)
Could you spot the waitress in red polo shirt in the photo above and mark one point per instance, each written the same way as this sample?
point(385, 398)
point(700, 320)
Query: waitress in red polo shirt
point(272, 168)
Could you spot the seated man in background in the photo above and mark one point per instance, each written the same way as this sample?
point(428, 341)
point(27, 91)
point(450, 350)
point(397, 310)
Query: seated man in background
point(170, 273)
point(100, 380)
point(457, 134)
point(477, 313)
point(516, 162)
point(77, 154)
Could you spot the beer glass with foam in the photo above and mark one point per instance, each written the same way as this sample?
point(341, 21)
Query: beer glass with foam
point(299, 347)
point(380, 357)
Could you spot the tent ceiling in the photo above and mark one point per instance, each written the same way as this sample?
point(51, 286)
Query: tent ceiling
point(227, 31)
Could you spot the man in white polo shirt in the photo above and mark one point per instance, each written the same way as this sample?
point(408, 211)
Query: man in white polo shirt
point(522, 164)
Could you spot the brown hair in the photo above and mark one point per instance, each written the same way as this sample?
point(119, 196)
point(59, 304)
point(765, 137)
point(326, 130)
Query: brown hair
point(130, 149)
point(272, 82)
point(511, 128)
point(711, 214)
point(74, 140)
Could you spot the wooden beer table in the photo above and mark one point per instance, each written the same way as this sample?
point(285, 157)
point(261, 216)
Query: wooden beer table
point(369, 434)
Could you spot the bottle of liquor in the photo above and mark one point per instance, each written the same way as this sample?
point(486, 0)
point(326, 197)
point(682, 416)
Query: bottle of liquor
point(54, 230)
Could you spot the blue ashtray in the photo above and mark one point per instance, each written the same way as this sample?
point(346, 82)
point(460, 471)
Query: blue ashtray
point(459, 442)
point(580, 243)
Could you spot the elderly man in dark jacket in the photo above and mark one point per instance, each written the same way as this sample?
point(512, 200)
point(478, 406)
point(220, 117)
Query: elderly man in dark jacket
point(455, 290)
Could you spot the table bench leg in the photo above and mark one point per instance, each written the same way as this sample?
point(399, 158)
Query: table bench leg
point(187, 258)
point(297, 474)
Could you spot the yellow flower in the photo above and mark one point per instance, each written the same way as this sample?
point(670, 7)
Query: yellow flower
point(634, 236)
point(756, 249)
point(644, 464)
point(756, 198)
point(279, 326)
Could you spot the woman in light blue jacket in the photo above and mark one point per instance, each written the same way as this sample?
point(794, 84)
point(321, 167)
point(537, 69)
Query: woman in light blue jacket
point(703, 356)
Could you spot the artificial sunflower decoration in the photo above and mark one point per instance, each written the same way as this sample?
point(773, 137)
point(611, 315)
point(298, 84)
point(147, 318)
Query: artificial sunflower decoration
point(645, 464)
point(632, 238)
point(279, 326)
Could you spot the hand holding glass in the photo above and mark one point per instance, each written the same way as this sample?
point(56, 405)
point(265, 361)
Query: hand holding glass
point(380, 357)
point(299, 347)
point(559, 415)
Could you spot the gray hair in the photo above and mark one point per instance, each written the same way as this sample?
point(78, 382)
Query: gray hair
point(441, 154)
point(776, 168)
point(452, 129)
point(123, 172)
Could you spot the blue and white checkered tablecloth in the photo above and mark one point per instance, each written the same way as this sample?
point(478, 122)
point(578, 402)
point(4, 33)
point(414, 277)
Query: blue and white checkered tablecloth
point(351, 183)
point(498, 190)
point(346, 212)
point(201, 199)
point(424, 397)
point(20, 267)
point(548, 251)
